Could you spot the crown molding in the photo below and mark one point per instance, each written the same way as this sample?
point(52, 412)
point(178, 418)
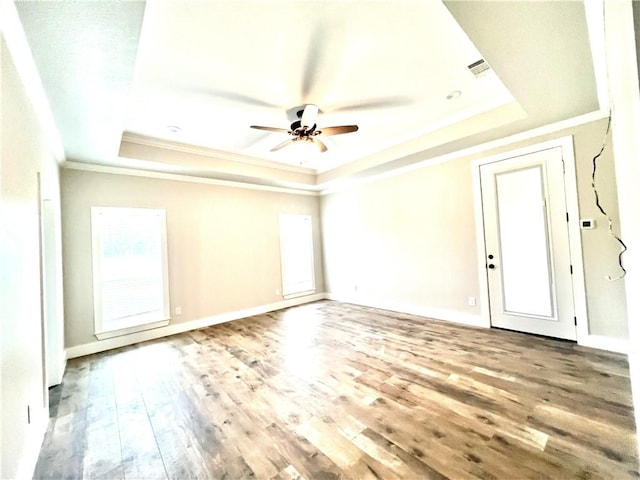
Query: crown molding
point(147, 141)
point(310, 190)
point(345, 183)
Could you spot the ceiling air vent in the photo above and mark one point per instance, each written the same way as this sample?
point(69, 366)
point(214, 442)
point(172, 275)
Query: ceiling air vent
point(479, 68)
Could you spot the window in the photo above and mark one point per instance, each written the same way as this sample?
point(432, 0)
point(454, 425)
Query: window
point(130, 274)
point(296, 252)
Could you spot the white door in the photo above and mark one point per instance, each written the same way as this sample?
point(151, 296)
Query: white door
point(527, 244)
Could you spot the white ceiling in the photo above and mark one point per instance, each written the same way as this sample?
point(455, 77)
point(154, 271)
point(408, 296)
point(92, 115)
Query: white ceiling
point(118, 75)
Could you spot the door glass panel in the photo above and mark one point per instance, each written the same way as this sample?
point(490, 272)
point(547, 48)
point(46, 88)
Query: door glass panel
point(524, 245)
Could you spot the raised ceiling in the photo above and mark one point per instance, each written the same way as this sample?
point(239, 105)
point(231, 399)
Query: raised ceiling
point(120, 76)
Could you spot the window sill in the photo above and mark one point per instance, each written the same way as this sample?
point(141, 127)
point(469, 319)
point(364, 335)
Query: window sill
point(133, 329)
point(299, 294)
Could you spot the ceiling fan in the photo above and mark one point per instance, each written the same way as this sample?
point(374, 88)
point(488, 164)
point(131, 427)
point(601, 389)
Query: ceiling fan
point(306, 130)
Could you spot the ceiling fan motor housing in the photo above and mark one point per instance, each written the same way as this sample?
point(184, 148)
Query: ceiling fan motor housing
point(298, 130)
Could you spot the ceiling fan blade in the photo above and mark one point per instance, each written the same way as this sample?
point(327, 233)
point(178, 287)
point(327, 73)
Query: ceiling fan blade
point(321, 146)
point(226, 95)
point(283, 144)
point(371, 103)
point(338, 130)
point(270, 129)
point(315, 56)
point(309, 116)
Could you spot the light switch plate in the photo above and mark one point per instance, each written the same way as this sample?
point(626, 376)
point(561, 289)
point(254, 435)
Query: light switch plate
point(587, 223)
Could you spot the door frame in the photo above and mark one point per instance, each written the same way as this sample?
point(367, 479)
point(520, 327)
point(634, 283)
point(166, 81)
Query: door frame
point(575, 241)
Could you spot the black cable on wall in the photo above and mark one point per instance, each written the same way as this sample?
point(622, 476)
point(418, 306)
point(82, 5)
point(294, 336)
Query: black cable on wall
point(602, 210)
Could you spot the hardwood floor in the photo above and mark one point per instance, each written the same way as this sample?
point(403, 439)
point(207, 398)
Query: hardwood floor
point(331, 390)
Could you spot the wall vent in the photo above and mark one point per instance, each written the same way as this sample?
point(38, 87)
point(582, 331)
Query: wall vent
point(479, 68)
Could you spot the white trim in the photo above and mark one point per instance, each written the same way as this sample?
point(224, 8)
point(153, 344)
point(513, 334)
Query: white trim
point(20, 52)
point(129, 330)
point(299, 294)
point(307, 286)
point(483, 283)
point(35, 435)
point(211, 153)
point(345, 183)
point(419, 310)
point(601, 342)
point(117, 342)
point(575, 241)
point(63, 366)
point(90, 167)
point(342, 184)
point(100, 220)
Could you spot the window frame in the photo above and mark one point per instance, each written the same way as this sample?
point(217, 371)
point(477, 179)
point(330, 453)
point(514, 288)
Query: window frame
point(310, 286)
point(136, 323)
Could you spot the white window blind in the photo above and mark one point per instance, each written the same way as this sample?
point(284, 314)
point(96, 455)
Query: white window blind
point(130, 274)
point(296, 252)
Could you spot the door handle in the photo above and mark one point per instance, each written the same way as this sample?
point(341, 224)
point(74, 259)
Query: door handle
point(491, 266)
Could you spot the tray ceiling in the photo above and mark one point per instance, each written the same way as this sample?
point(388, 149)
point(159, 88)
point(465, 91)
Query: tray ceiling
point(174, 86)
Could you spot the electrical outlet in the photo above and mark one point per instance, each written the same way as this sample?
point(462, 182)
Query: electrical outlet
point(472, 301)
point(277, 291)
point(178, 310)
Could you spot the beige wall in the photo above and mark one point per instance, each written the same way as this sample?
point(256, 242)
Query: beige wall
point(407, 240)
point(23, 153)
point(410, 239)
point(606, 300)
point(223, 243)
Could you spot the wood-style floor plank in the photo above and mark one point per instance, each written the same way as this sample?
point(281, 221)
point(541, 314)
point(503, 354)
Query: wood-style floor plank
point(330, 390)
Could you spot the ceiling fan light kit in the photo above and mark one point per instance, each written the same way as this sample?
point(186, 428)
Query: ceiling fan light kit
point(308, 116)
point(305, 129)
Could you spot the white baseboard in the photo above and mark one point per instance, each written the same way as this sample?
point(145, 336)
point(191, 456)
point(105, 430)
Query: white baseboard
point(601, 342)
point(172, 329)
point(35, 436)
point(422, 311)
